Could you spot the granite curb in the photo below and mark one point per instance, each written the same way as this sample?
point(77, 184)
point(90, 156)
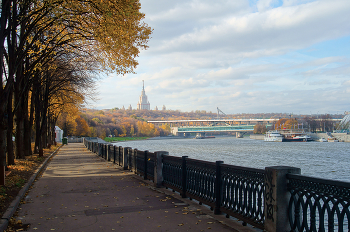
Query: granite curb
point(5, 219)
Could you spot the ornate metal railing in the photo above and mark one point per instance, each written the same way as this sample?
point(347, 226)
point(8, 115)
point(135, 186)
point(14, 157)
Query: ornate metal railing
point(243, 193)
point(318, 204)
point(200, 180)
point(140, 162)
point(172, 173)
point(236, 191)
point(310, 204)
point(117, 155)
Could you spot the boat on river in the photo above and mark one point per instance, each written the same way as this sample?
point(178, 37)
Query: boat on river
point(323, 140)
point(204, 137)
point(273, 136)
point(332, 139)
point(291, 135)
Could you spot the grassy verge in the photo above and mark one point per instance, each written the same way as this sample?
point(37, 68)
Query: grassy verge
point(112, 139)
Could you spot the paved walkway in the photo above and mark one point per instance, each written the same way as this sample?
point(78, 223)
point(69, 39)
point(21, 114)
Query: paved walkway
point(79, 191)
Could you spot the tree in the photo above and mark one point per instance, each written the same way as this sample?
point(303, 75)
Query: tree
point(42, 35)
point(166, 128)
point(259, 129)
point(132, 131)
point(124, 131)
point(280, 124)
point(326, 124)
point(312, 123)
point(82, 126)
point(291, 124)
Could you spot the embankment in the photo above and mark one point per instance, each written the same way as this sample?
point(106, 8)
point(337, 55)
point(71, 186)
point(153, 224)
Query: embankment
point(342, 137)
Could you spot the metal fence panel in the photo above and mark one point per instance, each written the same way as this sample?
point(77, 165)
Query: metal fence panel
point(318, 204)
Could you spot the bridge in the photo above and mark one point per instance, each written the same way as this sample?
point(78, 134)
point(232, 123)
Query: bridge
point(344, 124)
point(201, 126)
point(213, 122)
point(201, 130)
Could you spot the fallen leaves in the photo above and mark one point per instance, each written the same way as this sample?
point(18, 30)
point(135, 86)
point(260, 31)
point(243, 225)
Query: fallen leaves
point(21, 172)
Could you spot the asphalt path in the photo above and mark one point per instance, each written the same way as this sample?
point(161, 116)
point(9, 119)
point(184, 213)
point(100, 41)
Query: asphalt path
point(80, 191)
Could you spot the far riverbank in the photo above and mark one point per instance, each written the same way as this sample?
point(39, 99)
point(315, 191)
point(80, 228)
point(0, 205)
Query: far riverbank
point(342, 137)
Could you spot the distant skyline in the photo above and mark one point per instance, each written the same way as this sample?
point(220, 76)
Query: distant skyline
point(243, 56)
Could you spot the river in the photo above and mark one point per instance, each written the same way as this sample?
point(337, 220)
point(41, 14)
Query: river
point(323, 160)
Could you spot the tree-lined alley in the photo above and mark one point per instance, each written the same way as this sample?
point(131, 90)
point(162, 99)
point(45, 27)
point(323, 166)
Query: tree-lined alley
point(51, 53)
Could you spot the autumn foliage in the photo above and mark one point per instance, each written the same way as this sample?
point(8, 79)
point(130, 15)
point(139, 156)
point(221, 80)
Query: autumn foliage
point(51, 53)
point(115, 122)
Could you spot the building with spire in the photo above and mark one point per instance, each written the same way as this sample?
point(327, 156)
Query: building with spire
point(143, 102)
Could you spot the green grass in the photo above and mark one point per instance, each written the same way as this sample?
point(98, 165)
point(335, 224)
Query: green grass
point(20, 183)
point(2, 191)
point(108, 139)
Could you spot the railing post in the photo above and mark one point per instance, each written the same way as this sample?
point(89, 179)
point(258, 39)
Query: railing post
point(135, 161)
point(125, 157)
point(218, 187)
point(100, 149)
point(114, 153)
point(109, 152)
point(104, 151)
point(184, 177)
point(158, 168)
point(277, 198)
point(145, 165)
point(130, 152)
point(120, 149)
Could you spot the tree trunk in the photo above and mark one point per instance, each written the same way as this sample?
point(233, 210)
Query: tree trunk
point(29, 131)
point(37, 145)
point(49, 130)
point(21, 112)
point(10, 153)
point(3, 129)
point(27, 135)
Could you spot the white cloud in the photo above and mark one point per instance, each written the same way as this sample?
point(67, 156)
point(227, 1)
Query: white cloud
point(274, 56)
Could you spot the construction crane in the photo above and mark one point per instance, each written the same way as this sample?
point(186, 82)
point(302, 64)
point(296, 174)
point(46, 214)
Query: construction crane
point(220, 111)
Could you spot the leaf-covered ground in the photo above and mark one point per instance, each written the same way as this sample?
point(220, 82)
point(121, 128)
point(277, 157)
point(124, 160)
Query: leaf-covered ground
point(18, 176)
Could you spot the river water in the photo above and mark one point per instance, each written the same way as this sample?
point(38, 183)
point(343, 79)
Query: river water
point(323, 160)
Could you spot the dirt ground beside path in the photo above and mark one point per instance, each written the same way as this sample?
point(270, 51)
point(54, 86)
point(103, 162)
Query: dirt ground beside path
point(18, 175)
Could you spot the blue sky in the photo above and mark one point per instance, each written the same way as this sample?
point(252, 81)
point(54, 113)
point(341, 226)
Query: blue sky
point(243, 56)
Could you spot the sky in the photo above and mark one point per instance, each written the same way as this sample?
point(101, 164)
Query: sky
point(243, 56)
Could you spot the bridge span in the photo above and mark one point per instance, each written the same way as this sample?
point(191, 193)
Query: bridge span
point(212, 122)
point(201, 126)
point(201, 130)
